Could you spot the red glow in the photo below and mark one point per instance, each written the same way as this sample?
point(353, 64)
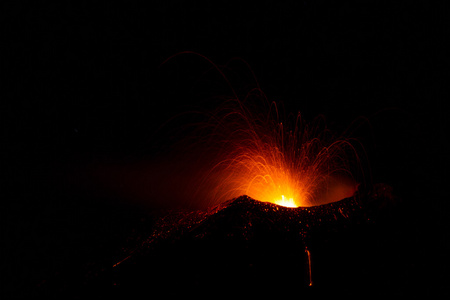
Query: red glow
point(246, 148)
point(259, 156)
point(288, 202)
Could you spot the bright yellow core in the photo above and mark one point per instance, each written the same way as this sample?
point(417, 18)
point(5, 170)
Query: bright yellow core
point(288, 202)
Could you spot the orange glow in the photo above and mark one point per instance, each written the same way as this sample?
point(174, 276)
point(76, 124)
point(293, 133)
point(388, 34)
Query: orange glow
point(257, 156)
point(288, 202)
point(245, 148)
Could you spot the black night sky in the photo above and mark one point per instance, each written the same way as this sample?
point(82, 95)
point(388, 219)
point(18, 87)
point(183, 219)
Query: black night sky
point(84, 88)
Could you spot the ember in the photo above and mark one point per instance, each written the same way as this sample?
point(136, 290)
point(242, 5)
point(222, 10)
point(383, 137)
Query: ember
point(248, 147)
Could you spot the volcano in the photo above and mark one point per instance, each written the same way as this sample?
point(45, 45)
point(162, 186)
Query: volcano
point(252, 247)
point(245, 246)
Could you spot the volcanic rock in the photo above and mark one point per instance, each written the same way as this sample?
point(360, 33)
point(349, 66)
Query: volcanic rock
point(248, 245)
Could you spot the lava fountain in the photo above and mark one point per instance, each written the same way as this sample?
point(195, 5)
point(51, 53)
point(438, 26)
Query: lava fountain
point(247, 147)
point(285, 202)
point(259, 157)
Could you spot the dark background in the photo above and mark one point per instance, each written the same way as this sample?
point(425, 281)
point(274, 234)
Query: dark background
point(84, 87)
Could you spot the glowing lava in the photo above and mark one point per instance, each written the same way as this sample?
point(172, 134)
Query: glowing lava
point(259, 157)
point(288, 202)
point(253, 154)
point(245, 147)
